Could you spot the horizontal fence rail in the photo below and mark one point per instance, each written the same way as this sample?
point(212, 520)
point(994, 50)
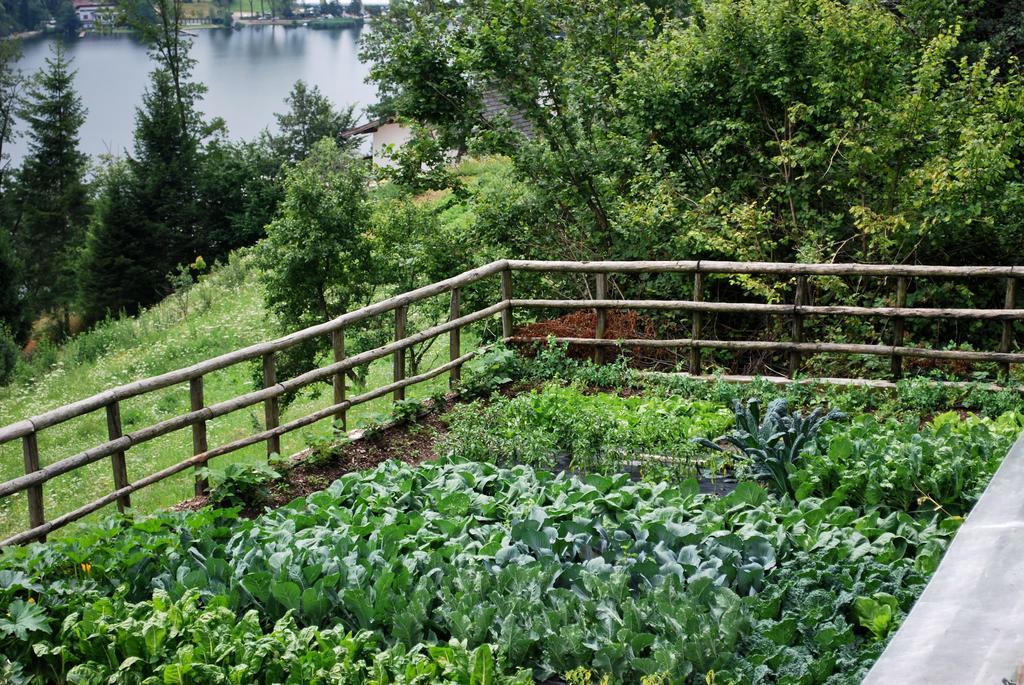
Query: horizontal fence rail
point(120, 441)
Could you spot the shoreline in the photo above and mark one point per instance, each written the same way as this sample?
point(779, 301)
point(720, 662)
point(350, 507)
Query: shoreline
point(25, 34)
point(238, 23)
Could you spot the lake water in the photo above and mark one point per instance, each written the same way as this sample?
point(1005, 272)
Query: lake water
point(248, 72)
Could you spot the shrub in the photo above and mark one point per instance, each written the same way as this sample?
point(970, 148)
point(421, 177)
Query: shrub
point(240, 484)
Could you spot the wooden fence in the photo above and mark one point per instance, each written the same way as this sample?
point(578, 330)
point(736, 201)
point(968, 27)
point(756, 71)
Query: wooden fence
point(36, 474)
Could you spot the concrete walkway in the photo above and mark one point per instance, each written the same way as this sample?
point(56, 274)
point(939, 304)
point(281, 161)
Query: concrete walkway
point(968, 626)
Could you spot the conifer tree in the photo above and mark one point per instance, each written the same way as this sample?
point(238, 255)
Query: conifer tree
point(10, 87)
point(51, 198)
point(165, 166)
point(147, 219)
point(310, 118)
point(121, 265)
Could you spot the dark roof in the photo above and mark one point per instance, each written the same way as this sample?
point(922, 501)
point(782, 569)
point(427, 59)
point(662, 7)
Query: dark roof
point(497, 107)
point(369, 127)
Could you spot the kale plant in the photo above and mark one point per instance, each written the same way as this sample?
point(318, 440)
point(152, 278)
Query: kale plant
point(772, 444)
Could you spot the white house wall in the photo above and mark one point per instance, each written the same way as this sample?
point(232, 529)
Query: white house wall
point(387, 139)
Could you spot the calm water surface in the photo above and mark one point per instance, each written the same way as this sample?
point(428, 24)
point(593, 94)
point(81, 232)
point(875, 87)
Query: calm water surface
point(248, 73)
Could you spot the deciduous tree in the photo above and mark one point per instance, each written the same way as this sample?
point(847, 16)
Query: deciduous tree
point(316, 260)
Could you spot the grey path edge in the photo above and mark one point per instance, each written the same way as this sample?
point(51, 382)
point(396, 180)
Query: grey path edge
point(968, 625)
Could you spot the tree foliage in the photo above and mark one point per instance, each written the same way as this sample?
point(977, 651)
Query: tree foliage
point(158, 188)
point(11, 82)
point(310, 118)
point(745, 129)
point(29, 15)
point(13, 312)
point(316, 260)
point(122, 267)
point(240, 186)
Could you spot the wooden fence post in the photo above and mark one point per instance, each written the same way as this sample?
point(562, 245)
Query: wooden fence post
point(506, 296)
point(338, 382)
point(698, 296)
point(898, 328)
point(1007, 341)
point(30, 450)
point(798, 325)
point(455, 338)
point(601, 293)
point(401, 315)
point(117, 459)
point(199, 444)
point(271, 409)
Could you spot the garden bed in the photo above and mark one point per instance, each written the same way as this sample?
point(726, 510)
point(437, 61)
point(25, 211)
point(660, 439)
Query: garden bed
point(501, 541)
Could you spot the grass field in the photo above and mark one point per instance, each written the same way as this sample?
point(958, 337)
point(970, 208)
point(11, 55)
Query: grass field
point(225, 312)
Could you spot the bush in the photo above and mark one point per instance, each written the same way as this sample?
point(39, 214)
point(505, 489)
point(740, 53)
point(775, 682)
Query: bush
point(239, 484)
point(898, 466)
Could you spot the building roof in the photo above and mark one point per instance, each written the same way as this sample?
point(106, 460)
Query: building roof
point(496, 107)
point(369, 127)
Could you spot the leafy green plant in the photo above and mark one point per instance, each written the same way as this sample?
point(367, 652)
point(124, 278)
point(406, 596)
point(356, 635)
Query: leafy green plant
point(240, 484)
point(877, 613)
point(412, 570)
point(772, 444)
point(407, 411)
point(560, 426)
point(487, 372)
point(24, 618)
point(922, 395)
point(941, 467)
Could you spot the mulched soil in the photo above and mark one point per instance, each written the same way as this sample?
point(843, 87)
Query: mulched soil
point(619, 325)
point(408, 442)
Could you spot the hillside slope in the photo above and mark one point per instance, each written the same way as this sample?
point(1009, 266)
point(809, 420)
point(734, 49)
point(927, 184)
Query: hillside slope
point(224, 312)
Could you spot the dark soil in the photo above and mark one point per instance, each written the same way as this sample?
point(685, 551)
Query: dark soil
point(411, 442)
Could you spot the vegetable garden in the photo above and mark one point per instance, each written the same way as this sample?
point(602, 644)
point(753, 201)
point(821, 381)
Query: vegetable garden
point(597, 528)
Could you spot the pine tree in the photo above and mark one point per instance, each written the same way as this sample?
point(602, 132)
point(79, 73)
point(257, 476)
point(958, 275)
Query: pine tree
point(121, 265)
point(165, 167)
point(10, 84)
point(310, 118)
point(146, 218)
point(51, 198)
point(13, 319)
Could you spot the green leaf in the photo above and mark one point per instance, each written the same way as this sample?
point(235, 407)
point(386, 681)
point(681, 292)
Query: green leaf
point(315, 605)
point(24, 618)
point(483, 666)
point(876, 613)
point(173, 675)
point(530, 533)
point(287, 593)
point(153, 636)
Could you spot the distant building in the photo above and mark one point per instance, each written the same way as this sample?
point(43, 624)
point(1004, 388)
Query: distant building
point(389, 135)
point(92, 12)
